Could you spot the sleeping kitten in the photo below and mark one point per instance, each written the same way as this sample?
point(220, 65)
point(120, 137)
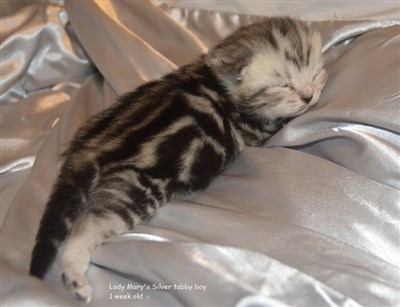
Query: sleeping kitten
point(175, 135)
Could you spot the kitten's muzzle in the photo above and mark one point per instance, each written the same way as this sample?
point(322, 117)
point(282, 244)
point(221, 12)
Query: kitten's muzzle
point(306, 93)
point(308, 99)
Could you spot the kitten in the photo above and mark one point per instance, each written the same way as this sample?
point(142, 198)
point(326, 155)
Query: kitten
point(175, 135)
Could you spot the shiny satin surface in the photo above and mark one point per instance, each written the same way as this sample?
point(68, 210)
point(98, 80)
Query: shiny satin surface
point(310, 219)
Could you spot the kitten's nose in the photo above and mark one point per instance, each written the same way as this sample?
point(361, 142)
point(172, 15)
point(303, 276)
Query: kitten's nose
point(306, 93)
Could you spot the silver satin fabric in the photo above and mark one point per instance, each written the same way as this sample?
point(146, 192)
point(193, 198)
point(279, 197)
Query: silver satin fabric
point(310, 219)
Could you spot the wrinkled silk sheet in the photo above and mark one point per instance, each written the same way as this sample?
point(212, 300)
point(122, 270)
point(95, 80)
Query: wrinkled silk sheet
point(310, 219)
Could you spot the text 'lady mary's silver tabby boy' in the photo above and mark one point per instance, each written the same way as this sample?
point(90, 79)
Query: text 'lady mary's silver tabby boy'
point(175, 135)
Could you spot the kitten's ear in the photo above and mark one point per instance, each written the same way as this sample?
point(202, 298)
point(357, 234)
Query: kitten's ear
point(228, 66)
point(228, 62)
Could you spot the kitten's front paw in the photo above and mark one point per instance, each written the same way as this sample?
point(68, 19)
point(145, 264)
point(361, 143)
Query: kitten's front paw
point(77, 285)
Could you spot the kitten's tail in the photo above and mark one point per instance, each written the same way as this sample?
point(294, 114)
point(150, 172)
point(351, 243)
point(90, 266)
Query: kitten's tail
point(54, 227)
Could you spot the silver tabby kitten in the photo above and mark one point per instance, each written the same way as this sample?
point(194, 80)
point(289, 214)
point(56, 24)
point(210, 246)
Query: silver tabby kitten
point(174, 135)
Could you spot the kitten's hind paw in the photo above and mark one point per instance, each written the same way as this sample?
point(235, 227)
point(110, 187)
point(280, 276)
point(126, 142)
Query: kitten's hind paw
point(78, 286)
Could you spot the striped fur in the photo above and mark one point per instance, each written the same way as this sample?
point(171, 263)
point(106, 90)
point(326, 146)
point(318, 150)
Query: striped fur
point(175, 135)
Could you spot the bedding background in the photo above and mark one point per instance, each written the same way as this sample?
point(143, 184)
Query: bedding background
point(309, 219)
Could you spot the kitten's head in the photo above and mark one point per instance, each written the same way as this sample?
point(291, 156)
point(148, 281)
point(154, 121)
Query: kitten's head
point(272, 69)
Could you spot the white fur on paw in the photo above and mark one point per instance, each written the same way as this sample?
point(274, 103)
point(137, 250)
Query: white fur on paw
point(77, 285)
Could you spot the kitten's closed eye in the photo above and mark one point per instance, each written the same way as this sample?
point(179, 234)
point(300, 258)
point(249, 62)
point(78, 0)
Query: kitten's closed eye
point(288, 85)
